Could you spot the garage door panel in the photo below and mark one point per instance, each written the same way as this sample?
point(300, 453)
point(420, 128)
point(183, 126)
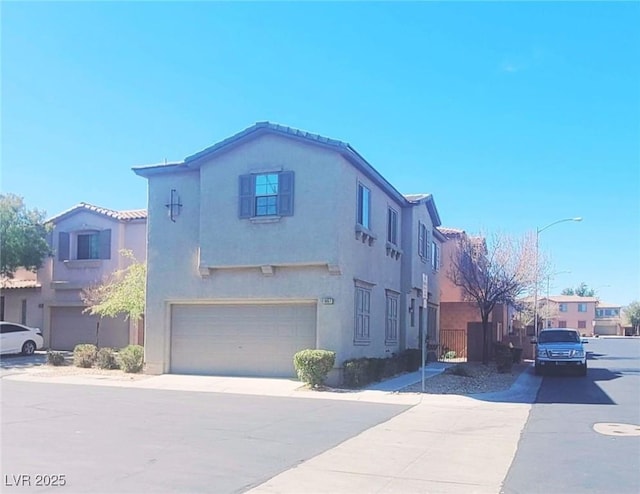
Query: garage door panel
point(71, 327)
point(258, 340)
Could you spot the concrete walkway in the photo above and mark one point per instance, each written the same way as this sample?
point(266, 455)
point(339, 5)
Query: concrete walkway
point(444, 444)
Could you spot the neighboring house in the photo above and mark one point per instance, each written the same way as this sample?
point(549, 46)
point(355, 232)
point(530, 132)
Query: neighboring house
point(608, 320)
point(570, 311)
point(275, 240)
point(20, 299)
point(460, 321)
point(85, 241)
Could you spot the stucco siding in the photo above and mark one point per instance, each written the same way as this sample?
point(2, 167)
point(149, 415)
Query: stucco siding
point(306, 237)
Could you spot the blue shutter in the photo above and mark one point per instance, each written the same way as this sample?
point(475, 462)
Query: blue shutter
point(63, 246)
point(104, 244)
point(285, 193)
point(246, 197)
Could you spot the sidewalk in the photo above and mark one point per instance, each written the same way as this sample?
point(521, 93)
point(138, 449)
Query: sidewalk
point(445, 444)
point(383, 392)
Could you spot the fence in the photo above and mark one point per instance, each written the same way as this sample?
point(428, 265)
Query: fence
point(453, 340)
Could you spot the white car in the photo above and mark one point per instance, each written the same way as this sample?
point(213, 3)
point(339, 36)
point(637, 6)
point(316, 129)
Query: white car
point(17, 338)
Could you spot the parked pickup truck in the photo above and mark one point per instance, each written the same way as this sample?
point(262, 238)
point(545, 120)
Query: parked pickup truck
point(560, 348)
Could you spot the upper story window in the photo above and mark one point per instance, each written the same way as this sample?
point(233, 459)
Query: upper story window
point(607, 312)
point(266, 194)
point(84, 245)
point(423, 241)
point(582, 307)
point(88, 246)
point(392, 226)
point(364, 207)
point(435, 256)
point(562, 307)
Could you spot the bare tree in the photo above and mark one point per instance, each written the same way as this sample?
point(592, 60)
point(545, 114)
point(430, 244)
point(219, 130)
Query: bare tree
point(498, 272)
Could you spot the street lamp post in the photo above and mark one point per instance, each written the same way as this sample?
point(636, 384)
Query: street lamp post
point(535, 295)
point(544, 321)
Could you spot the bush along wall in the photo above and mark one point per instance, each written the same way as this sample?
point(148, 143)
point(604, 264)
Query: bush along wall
point(313, 366)
point(359, 372)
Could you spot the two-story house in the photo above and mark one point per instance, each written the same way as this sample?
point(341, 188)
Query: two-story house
point(275, 240)
point(570, 311)
point(86, 241)
point(460, 321)
point(608, 320)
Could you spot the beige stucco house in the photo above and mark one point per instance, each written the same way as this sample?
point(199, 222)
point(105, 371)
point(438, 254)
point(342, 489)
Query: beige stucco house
point(86, 241)
point(275, 240)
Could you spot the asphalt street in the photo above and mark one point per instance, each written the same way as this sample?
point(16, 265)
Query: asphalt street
point(561, 450)
point(107, 439)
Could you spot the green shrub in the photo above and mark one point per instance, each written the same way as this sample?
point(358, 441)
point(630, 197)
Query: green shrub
point(313, 366)
point(55, 358)
point(106, 359)
point(355, 372)
point(84, 355)
point(131, 358)
point(449, 354)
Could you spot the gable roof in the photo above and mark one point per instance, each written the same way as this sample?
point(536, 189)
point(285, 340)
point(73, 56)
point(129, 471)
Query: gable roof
point(194, 161)
point(127, 215)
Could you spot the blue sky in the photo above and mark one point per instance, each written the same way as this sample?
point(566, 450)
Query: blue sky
point(513, 115)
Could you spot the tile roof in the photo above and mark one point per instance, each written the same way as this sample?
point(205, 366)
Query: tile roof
point(450, 232)
point(126, 215)
point(11, 283)
point(416, 197)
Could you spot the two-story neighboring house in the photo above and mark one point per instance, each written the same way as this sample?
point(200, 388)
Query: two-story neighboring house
point(608, 320)
point(460, 321)
point(86, 241)
point(571, 311)
point(275, 240)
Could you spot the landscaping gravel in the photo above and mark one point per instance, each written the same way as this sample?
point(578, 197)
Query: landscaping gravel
point(482, 379)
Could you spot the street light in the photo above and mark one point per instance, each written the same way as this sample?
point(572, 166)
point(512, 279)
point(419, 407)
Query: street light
point(544, 323)
point(535, 296)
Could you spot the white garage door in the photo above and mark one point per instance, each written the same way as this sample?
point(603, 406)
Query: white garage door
point(70, 327)
point(240, 340)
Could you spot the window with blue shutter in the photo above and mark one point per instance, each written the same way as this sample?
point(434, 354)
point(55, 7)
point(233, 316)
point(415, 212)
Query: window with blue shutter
point(63, 246)
point(266, 194)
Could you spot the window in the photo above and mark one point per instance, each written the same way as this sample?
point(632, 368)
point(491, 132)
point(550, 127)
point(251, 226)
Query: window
point(363, 314)
point(266, 194)
point(435, 256)
point(562, 307)
point(23, 312)
point(364, 206)
point(582, 307)
point(600, 312)
point(84, 245)
point(582, 324)
point(423, 241)
point(11, 328)
point(392, 226)
point(1, 307)
point(88, 246)
point(391, 326)
point(562, 324)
